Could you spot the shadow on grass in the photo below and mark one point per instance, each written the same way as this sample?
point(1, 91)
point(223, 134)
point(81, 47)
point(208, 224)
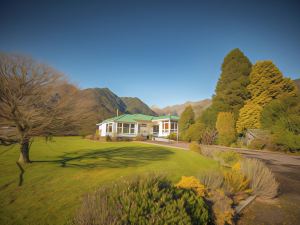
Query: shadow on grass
point(111, 157)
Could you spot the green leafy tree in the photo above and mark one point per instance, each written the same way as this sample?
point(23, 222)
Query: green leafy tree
point(195, 132)
point(226, 128)
point(266, 83)
point(231, 91)
point(187, 118)
point(282, 118)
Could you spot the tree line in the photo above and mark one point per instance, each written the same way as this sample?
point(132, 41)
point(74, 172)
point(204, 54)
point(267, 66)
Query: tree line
point(248, 97)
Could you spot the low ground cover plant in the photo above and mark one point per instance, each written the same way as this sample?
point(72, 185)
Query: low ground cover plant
point(220, 203)
point(227, 158)
point(195, 147)
point(151, 200)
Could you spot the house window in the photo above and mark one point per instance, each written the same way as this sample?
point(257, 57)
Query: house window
point(128, 128)
point(109, 128)
point(173, 126)
point(119, 130)
point(132, 128)
point(165, 127)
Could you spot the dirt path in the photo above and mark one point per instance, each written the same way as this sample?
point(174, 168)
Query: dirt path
point(286, 209)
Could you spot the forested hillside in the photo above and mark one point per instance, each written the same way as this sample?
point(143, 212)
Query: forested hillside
point(135, 105)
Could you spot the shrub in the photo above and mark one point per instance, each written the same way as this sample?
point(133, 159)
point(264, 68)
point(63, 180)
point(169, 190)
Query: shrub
point(140, 138)
point(194, 132)
point(212, 179)
point(262, 180)
point(209, 136)
point(226, 128)
point(192, 183)
point(195, 147)
point(227, 158)
point(257, 143)
point(151, 200)
point(90, 137)
point(207, 151)
point(221, 207)
point(108, 138)
point(286, 141)
point(172, 136)
point(235, 182)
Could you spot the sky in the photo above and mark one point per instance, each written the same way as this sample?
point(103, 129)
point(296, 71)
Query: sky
point(164, 52)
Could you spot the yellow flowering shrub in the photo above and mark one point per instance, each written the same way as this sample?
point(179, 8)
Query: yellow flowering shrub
point(236, 167)
point(222, 207)
point(192, 183)
point(235, 181)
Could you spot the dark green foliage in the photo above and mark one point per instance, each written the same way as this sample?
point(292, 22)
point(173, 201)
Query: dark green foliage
point(231, 91)
point(135, 105)
point(194, 132)
point(209, 117)
point(187, 118)
point(173, 136)
point(152, 200)
point(282, 118)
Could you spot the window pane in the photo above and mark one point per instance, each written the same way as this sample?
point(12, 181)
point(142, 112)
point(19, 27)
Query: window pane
point(119, 128)
point(166, 125)
point(172, 125)
point(125, 128)
point(132, 128)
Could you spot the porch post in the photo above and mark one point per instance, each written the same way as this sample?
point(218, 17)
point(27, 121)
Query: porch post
point(177, 131)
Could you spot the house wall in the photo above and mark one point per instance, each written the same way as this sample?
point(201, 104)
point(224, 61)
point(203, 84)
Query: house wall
point(102, 129)
point(103, 132)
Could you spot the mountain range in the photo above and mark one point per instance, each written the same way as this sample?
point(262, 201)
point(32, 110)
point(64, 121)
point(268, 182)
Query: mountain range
point(198, 107)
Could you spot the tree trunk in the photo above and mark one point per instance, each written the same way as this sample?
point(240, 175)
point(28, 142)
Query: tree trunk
point(24, 154)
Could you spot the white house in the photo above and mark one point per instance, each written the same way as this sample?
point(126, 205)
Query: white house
point(133, 125)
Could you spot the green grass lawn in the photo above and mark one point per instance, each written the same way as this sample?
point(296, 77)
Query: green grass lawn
point(67, 168)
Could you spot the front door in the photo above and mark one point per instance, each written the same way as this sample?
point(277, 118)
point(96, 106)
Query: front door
point(143, 130)
point(155, 130)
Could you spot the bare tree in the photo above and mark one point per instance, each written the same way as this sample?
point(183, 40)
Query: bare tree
point(35, 100)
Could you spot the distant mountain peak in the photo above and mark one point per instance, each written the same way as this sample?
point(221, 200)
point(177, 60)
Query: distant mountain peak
point(136, 105)
point(177, 109)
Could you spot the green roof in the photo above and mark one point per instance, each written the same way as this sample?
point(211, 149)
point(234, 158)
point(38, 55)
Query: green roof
point(132, 118)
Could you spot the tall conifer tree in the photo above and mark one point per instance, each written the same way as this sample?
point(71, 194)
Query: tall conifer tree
point(187, 118)
point(231, 91)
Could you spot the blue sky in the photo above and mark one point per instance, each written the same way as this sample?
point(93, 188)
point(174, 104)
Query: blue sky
point(164, 52)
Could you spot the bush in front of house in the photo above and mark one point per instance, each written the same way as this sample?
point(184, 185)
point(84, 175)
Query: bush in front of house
point(172, 136)
point(152, 200)
point(140, 138)
point(108, 138)
point(262, 180)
